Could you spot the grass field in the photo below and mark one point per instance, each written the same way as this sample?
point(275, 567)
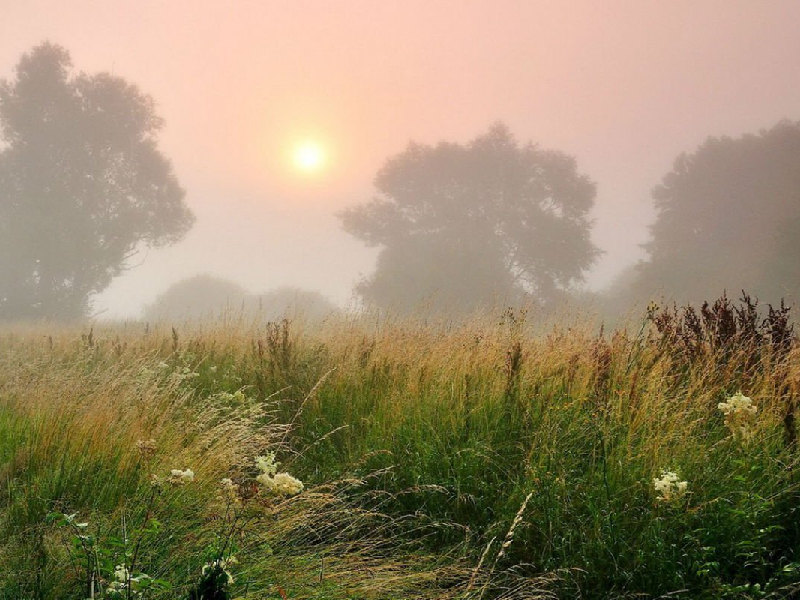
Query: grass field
point(500, 458)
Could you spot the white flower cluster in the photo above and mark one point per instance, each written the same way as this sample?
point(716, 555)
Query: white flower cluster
point(121, 574)
point(179, 477)
point(668, 487)
point(267, 464)
point(739, 413)
point(739, 404)
point(223, 565)
point(279, 483)
point(282, 483)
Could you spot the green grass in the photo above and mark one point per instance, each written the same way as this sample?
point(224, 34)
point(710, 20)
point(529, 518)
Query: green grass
point(418, 444)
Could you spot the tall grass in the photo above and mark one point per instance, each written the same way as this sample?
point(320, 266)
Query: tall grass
point(491, 459)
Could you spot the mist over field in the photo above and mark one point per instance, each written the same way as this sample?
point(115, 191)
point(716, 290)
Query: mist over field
point(277, 117)
point(399, 300)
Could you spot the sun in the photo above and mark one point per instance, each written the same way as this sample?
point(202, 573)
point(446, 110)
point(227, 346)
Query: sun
point(309, 157)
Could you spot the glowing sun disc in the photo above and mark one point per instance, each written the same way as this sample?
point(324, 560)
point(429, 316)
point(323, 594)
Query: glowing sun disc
point(309, 157)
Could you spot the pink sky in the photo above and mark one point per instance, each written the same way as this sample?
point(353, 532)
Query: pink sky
point(622, 86)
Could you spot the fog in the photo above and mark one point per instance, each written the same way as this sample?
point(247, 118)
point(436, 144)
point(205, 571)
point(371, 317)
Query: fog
point(623, 87)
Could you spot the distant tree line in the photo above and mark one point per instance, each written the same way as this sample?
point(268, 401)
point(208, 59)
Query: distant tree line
point(459, 227)
point(492, 221)
point(208, 297)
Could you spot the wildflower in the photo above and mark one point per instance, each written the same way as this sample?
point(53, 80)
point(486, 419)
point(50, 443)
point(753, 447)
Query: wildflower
point(221, 565)
point(279, 483)
point(121, 573)
point(739, 413)
point(266, 464)
point(737, 405)
point(146, 448)
point(668, 487)
point(178, 477)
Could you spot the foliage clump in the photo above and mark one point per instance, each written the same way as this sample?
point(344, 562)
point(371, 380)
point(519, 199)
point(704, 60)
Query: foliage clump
point(82, 185)
point(462, 227)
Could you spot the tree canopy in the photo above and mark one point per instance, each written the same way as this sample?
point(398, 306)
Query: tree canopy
point(82, 185)
point(729, 219)
point(460, 226)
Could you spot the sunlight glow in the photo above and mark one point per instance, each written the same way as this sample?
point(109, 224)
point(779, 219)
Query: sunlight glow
point(309, 157)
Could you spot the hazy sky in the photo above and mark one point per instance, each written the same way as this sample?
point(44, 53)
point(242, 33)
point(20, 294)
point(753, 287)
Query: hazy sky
point(623, 86)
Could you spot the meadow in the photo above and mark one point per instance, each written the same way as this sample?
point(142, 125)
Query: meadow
point(375, 458)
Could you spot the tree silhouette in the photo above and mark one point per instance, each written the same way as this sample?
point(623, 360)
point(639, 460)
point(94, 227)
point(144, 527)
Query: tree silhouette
point(205, 296)
point(82, 185)
point(729, 219)
point(460, 226)
point(198, 297)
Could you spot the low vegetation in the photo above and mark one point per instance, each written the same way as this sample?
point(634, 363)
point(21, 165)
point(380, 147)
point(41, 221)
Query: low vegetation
point(370, 458)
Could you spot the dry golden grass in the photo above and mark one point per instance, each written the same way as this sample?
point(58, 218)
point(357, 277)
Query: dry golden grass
point(546, 437)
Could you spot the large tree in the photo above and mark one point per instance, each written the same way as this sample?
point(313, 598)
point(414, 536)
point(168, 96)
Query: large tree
point(460, 226)
point(728, 219)
point(82, 185)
